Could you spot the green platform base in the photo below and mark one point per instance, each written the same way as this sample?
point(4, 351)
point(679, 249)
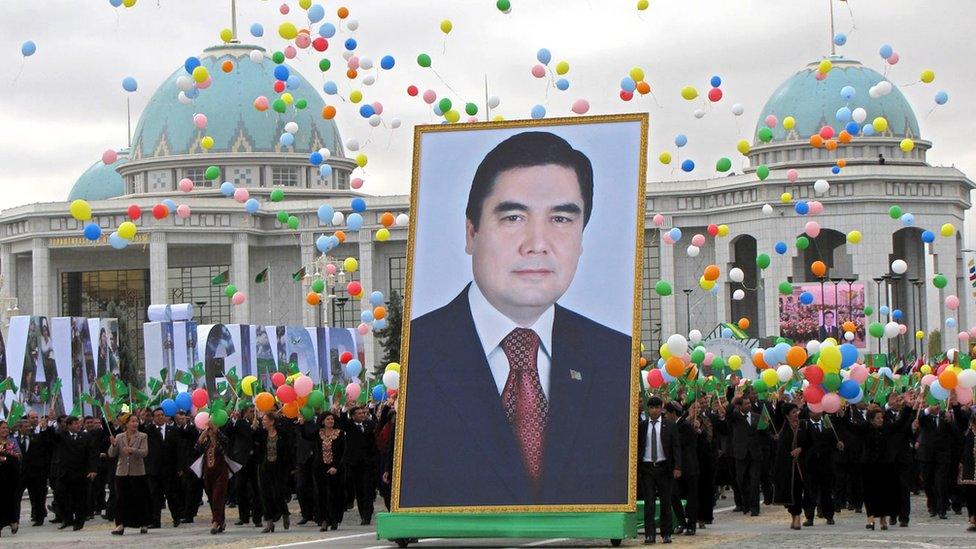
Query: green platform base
point(400, 527)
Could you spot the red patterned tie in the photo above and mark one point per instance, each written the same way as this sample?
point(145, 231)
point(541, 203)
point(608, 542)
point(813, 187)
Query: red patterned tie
point(525, 403)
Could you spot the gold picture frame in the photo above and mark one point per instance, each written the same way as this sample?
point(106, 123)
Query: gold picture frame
point(419, 131)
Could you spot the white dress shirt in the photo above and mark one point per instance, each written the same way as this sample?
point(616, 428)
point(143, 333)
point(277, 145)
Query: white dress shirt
point(657, 435)
point(492, 327)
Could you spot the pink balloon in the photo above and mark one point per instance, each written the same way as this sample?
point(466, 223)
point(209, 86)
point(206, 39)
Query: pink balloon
point(303, 40)
point(291, 52)
point(200, 120)
point(241, 195)
point(109, 157)
point(261, 102)
point(893, 58)
point(330, 268)
point(429, 97)
point(472, 119)
point(199, 397)
point(963, 336)
point(815, 406)
point(952, 302)
point(377, 107)
point(709, 358)
point(792, 175)
point(820, 75)
point(964, 395)
point(186, 185)
point(205, 84)
point(667, 238)
point(859, 373)
point(353, 391)
point(304, 386)
point(353, 62)
point(771, 121)
point(284, 9)
point(812, 229)
point(658, 220)
point(928, 379)
point(830, 403)
point(972, 332)
point(238, 298)
point(356, 183)
point(581, 106)
point(201, 420)
point(539, 71)
point(363, 328)
point(816, 207)
point(183, 211)
point(698, 240)
point(940, 368)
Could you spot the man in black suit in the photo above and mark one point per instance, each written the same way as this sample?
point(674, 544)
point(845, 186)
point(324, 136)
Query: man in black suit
point(659, 458)
point(820, 445)
point(848, 477)
point(190, 485)
point(96, 489)
point(164, 486)
point(900, 443)
point(35, 466)
point(686, 518)
point(241, 436)
point(77, 464)
point(497, 377)
point(359, 461)
point(934, 452)
point(747, 450)
point(304, 479)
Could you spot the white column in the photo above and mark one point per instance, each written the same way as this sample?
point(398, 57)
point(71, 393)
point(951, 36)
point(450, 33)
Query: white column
point(366, 279)
point(307, 249)
point(8, 270)
point(41, 275)
point(669, 324)
point(240, 276)
point(158, 268)
point(945, 262)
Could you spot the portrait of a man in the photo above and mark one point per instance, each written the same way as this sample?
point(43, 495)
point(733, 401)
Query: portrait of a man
point(514, 399)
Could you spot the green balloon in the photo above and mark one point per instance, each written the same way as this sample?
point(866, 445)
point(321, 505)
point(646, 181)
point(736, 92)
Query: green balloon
point(316, 398)
point(230, 290)
point(278, 57)
point(471, 109)
point(698, 355)
point(760, 386)
point(723, 165)
point(277, 195)
point(718, 364)
point(282, 217)
point(868, 311)
point(219, 417)
point(213, 172)
point(663, 288)
point(785, 288)
point(218, 404)
point(876, 329)
point(301, 104)
point(423, 60)
point(503, 5)
point(307, 412)
point(292, 222)
point(802, 243)
point(325, 65)
point(940, 281)
point(318, 285)
point(765, 135)
point(279, 106)
point(444, 105)
point(762, 261)
point(762, 172)
point(894, 212)
point(831, 382)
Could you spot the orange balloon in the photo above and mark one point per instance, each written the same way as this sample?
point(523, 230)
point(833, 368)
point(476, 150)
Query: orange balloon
point(264, 402)
point(711, 272)
point(379, 312)
point(387, 219)
point(758, 361)
point(948, 379)
point(227, 66)
point(643, 88)
point(743, 323)
point(841, 163)
point(796, 356)
point(849, 326)
point(302, 401)
point(328, 112)
point(290, 410)
point(844, 137)
point(343, 12)
point(816, 141)
point(643, 362)
point(341, 236)
point(818, 268)
point(830, 144)
point(351, 74)
point(674, 366)
point(313, 299)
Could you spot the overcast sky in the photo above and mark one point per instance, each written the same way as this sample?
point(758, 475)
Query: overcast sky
point(62, 107)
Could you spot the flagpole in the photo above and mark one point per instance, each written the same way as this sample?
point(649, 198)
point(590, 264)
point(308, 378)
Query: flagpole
point(270, 297)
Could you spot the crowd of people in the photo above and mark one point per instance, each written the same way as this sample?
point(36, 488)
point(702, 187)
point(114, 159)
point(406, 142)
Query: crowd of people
point(779, 450)
point(129, 470)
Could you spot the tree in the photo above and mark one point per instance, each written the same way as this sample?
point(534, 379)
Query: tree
point(935, 344)
point(390, 335)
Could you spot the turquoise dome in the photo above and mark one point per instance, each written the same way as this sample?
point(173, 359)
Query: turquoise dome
point(166, 126)
point(100, 182)
point(814, 103)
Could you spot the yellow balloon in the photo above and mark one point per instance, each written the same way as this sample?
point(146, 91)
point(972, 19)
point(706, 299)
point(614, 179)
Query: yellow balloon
point(665, 158)
point(665, 351)
point(706, 285)
point(948, 229)
point(305, 4)
point(393, 367)
point(446, 26)
point(200, 74)
point(497, 118)
point(127, 230)
point(642, 5)
point(743, 146)
point(350, 265)
point(361, 160)
point(288, 31)
point(880, 124)
point(636, 74)
point(80, 210)
point(723, 230)
point(829, 357)
point(689, 92)
point(642, 347)
point(247, 385)
point(382, 235)
point(928, 76)
point(226, 35)
point(207, 142)
point(854, 237)
point(355, 96)
point(769, 377)
point(734, 362)
point(789, 123)
point(452, 116)
point(562, 67)
point(128, 3)
point(287, 98)
point(785, 197)
point(906, 145)
point(825, 66)
point(920, 335)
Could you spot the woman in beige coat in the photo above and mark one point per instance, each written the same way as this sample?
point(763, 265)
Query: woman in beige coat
point(131, 484)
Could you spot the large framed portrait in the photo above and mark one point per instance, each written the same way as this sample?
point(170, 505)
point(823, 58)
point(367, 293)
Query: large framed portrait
point(519, 379)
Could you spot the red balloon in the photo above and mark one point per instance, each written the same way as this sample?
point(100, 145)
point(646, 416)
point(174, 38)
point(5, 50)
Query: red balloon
point(814, 374)
point(279, 86)
point(200, 397)
point(160, 211)
point(320, 44)
point(412, 91)
point(626, 95)
point(354, 288)
point(345, 357)
point(135, 212)
point(713, 229)
point(286, 393)
point(277, 379)
point(654, 378)
point(715, 95)
point(813, 394)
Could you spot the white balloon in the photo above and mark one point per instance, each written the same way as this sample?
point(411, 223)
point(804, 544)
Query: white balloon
point(784, 373)
point(375, 120)
point(184, 83)
point(967, 379)
point(695, 336)
point(693, 251)
point(677, 344)
point(369, 80)
point(352, 25)
point(738, 109)
point(365, 63)
point(736, 274)
point(291, 127)
point(338, 219)
point(899, 266)
point(402, 220)
point(813, 347)
point(849, 336)
point(493, 102)
point(891, 330)
point(326, 153)
point(347, 55)
point(699, 113)
point(182, 98)
point(821, 186)
point(257, 56)
point(352, 144)
point(767, 209)
point(884, 87)
point(395, 123)
point(391, 379)
point(951, 355)
point(739, 294)
point(873, 92)
point(859, 115)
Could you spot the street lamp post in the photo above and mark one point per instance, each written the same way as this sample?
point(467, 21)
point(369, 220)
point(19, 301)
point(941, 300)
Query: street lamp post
point(688, 309)
point(836, 282)
point(887, 281)
point(917, 313)
point(877, 294)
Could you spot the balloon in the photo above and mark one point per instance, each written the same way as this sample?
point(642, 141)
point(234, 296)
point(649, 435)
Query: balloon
point(769, 377)
point(723, 165)
point(940, 281)
point(947, 229)
point(80, 210)
point(264, 402)
point(304, 386)
point(899, 266)
point(821, 186)
point(92, 231)
point(580, 106)
point(200, 398)
point(201, 420)
point(831, 403)
point(941, 98)
point(28, 48)
point(812, 229)
point(662, 288)
point(762, 261)
point(927, 76)
point(286, 393)
point(689, 93)
point(687, 165)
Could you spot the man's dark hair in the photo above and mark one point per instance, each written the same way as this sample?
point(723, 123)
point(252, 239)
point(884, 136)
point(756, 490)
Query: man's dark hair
point(654, 402)
point(89, 417)
point(525, 150)
point(70, 420)
point(673, 407)
point(158, 410)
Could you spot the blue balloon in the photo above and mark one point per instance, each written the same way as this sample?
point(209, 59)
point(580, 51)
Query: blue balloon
point(316, 13)
point(184, 402)
point(950, 323)
point(781, 349)
point(281, 72)
point(687, 165)
point(562, 84)
point(907, 219)
point(327, 30)
point(129, 84)
point(28, 48)
point(941, 98)
point(853, 128)
point(716, 81)
point(628, 84)
point(170, 205)
point(848, 92)
point(376, 298)
point(117, 241)
point(315, 158)
point(366, 111)
point(227, 188)
point(538, 112)
point(115, 3)
point(726, 333)
point(886, 51)
point(330, 87)
point(938, 392)
point(802, 208)
point(675, 234)
point(867, 130)
point(848, 388)
point(325, 213)
point(325, 170)
point(544, 56)
point(806, 298)
point(840, 39)
point(350, 44)
point(366, 316)
point(257, 30)
point(437, 110)
point(293, 82)
point(354, 222)
point(387, 62)
point(848, 355)
point(379, 392)
point(780, 248)
point(251, 206)
point(884, 310)
point(379, 324)
point(856, 398)
point(353, 368)
point(667, 377)
point(358, 205)
point(843, 115)
point(322, 244)
point(681, 140)
point(190, 64)
point(928, 237)
point(896, 314)
point(286, 139)
point(835, 170)
point(169, 407)
point(193, 92)
point(93, 231)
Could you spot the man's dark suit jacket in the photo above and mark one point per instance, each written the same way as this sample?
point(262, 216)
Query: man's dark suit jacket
point(76, 455)
point(360, 445)
point(458, 447)
point(36, 462)
point(670, 441)
point(163, 455)
point(934, 441)
point(747, 440)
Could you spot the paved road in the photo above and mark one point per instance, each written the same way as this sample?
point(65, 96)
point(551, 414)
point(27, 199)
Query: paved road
point(771, 529)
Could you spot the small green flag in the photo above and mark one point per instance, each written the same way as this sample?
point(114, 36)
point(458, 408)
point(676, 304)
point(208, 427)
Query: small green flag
point(827, 423)
point(231, 376)
point(292, 368)
point(155, 385)
point(221, 386)
point(262, 276)
point(44, 394)
point(16, 413)
point(76, 411)
point(184, 377)
point(56, 388)
point(197, 370)
point(298, 275)
point(164, 374)
point(764, 420)
point(8, 385)
point(222, 278)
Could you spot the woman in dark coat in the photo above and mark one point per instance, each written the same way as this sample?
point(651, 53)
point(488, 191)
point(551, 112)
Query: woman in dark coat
point(276, 460)
point(787, 465)
point(967, 470)
point(213, 444)
point(327, 452)
point(881, 486)
point(707, 455)
point(10, 491)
